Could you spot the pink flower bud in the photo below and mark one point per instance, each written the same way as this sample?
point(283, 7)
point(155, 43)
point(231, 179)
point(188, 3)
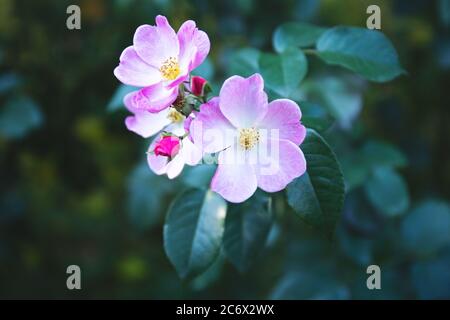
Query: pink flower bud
point(168, 146)
point(198, 85)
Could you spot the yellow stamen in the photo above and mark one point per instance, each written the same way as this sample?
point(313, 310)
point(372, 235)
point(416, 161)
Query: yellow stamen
point(170, 69)
point(175, 116)
point(248, 138)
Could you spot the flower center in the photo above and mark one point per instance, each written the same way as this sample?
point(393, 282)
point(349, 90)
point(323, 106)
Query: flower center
point(175, 116)
point(170, 69)
point(248, 138)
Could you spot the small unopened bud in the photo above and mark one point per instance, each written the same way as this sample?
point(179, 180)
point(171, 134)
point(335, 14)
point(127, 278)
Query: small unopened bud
point(199, 86)
point(167, 146)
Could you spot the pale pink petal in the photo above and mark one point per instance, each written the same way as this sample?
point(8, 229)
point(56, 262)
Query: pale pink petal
point(158, 164)
point(282, 162)
point(234, 182)
point(153, 98)
point(210, 130)
point(176, 128)
point(194, 46)
point(187, 123)
point(243, 100)
point(175, 166)
point(145, 123)
point(155, 44)
point(283, 119)
point(132, 70)
point(190, 152)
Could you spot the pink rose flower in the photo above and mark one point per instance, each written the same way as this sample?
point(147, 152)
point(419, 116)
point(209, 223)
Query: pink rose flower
point(258, 142)
point(168, 155)
point(160, 60)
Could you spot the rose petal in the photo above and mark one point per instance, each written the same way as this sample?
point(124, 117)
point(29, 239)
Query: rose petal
point(282, 162)
point(155, 44)
point(190, 152)
point(243, 101)
point(210, 130)
point(175, 166)
point(234, 182)
point(180, 79)
point(144, 122)
point(284, 116)
point(187, 124)
point(176, 128)
point(153, 98)
point(133, 71)
point(147, 124)
point(194, 46)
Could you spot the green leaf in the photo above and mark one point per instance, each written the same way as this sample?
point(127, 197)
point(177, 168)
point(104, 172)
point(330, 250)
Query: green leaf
point(211, 275)
point(366, 52)
point(198, 176)
point(116, 101)
point(293, 34)
point(431, 278)
point(283, 73)
point(314, 116)
point(244, 62)
point(355, 168)
point(359, 217)
point(379, 153)
point(338, 95)
point(358, 249)
point(246, 230)
point(308, 285)
point(145, 202)
point(193, 231)
point(387, 191)
point(19, 116)
point(318, 195)
point(426, 229)
point(358, 165)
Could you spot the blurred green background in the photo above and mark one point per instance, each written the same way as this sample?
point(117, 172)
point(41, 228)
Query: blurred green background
point(75, 188)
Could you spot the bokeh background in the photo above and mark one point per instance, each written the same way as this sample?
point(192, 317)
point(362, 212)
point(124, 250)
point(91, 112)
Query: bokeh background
point(74, 187)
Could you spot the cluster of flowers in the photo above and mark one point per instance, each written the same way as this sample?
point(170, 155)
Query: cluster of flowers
point(256, 143)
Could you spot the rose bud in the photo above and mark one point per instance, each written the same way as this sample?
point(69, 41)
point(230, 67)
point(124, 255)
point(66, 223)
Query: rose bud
point(168, 146)
point(198, 86)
